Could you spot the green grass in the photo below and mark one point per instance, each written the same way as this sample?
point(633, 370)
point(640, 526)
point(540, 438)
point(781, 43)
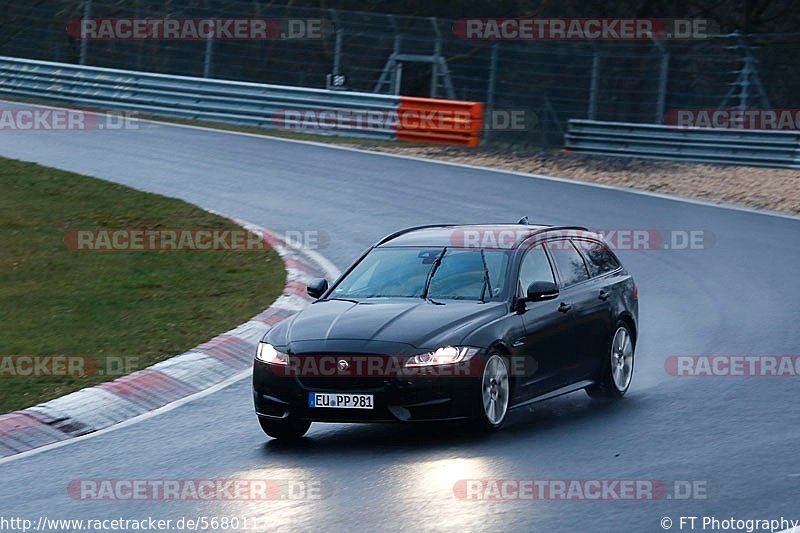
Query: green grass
point(146, 306)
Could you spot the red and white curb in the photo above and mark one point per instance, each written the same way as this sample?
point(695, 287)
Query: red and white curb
point(213, 362)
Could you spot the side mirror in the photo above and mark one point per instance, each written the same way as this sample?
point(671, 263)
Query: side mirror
point(317, 287)
point(539, 291)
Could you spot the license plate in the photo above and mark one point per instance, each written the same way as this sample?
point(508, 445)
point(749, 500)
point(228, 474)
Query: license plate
point(340, 401)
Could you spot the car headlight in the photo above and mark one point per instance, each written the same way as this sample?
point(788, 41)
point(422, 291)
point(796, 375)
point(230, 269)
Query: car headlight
point(446, 355)
point(268, 354)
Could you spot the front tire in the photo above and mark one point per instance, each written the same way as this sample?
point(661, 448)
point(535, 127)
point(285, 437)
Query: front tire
point(495, 393)
point(287, 429)
point(617, 372)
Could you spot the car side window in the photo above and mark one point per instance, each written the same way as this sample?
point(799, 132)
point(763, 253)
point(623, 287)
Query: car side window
point(571, 266)
point(534, 267)
point(598, 258)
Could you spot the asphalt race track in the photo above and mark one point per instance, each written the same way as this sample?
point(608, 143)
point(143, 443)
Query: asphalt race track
point(738, 295)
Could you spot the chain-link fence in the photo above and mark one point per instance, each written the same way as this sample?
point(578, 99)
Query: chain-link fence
point(539, 84)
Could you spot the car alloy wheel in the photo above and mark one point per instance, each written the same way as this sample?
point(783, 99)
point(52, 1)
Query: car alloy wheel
point(617, 371)
point(495, 391)
point(622, 359)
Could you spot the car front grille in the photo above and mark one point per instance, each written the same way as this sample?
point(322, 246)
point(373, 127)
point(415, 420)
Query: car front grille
point(315, 375)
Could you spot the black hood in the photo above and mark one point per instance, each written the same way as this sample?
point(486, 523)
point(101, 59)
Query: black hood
point(415, 323)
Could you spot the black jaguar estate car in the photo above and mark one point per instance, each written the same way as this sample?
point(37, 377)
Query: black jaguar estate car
point(452, 322)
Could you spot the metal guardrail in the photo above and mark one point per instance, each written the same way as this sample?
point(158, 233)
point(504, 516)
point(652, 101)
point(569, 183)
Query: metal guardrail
point(317, 111)
point(249, 104)
point(780, 149)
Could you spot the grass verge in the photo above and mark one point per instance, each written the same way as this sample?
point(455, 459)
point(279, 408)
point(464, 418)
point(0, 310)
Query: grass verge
point(123, 310)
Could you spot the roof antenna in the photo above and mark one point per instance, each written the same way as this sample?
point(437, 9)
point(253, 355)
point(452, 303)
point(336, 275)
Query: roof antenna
point(523, 220)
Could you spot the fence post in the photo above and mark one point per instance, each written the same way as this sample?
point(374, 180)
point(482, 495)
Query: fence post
point(753, 66)
point(397, 74)
point(595, 83)
point(663, 75)
point(398, 78)
point(744, 84)
point(748, 72)
point(337, 47)
point(337, 53)
point(435, 68)
point(87, 14)
point(208, 59)
point(437, 52)
point(139, 45)
point(490, 94)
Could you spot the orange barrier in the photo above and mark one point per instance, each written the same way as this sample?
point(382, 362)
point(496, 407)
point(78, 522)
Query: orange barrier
point(427, 120)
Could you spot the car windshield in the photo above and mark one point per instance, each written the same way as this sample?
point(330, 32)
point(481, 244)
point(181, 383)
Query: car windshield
point(436, 273)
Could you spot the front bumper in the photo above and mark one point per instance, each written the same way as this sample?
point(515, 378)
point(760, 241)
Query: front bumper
point(395, 399)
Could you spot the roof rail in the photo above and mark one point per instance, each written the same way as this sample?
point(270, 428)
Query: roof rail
point(426, 226)
point(414, 228)
point(551, 228)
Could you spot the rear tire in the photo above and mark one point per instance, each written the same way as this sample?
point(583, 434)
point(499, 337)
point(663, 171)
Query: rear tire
point(617, 371)
point(286, 429)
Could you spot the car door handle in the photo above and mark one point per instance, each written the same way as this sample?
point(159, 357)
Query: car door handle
point(564, 307)
point(604, 294)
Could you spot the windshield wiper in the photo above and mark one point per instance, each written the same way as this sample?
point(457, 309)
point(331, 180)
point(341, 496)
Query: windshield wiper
point(342, 299)
point(487, 283)
point(436, 263)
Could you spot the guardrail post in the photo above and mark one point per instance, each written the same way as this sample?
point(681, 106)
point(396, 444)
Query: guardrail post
point(595, 83)
point(87, 14)
point(490, 96)
point(663, 75)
